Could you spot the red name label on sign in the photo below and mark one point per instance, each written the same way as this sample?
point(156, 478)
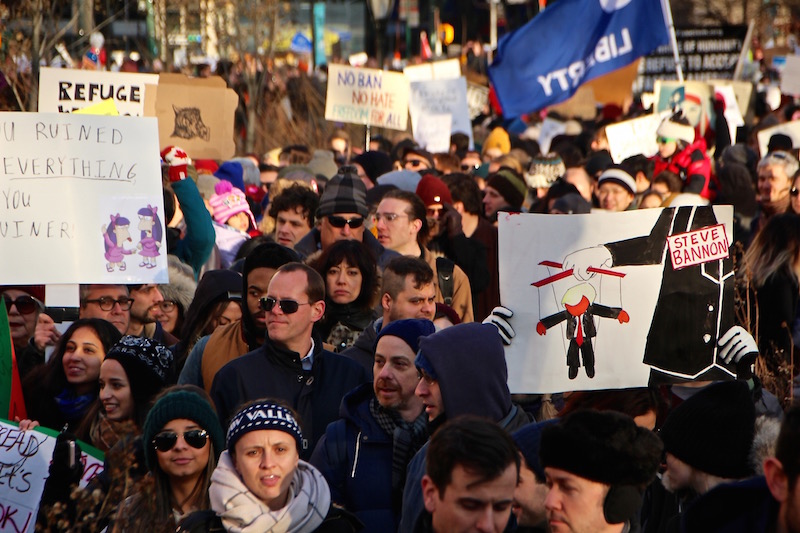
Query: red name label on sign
point(698, 246)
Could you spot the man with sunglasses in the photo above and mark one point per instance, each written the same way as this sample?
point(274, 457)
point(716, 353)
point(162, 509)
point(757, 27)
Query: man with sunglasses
point(291, 364)
point(417, 159)
point(341, 216)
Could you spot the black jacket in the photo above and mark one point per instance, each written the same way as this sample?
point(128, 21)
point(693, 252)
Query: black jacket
point(274, 372)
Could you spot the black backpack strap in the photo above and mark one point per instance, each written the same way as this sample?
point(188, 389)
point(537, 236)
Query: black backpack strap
point(444, 270)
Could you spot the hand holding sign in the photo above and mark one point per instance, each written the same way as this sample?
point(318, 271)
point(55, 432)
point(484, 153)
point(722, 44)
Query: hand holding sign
point(582, 260)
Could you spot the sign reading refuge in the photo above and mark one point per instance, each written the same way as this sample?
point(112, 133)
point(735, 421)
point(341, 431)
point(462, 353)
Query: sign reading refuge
point(70, 188)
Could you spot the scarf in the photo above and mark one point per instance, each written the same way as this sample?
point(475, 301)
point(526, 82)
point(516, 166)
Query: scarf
point(242, 511)
point(74, 407)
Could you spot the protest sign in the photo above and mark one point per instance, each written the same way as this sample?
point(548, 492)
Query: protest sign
point(632, 137)
point(367, 96)
point(63, 90)
point(437, 70)
point(432, 132)
point(792, 129)
point(603, 305)
point(194, 113)
point(548, 131)
point(790, 77)
point(733, 115)
point(24, 461)
point(615, 87)
point(80, 200)
point(441, 97)
point(705, 53)
point(693, 97)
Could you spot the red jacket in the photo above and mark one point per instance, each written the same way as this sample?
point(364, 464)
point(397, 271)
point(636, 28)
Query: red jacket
point(694, 168)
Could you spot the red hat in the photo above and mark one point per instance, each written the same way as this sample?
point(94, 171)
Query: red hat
point(206, 166)
point(433, 191)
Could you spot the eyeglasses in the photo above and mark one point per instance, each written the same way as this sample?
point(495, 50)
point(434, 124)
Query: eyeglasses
point(664, 140)
point(794, 191)
point(166, 306)
point(340, 222)
point(166, 440)
point(287, 306)
point(107, 303)
point(24, 304)
point(388, 217)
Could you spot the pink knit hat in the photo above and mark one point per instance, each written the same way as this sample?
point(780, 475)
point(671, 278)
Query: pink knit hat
point(229, 201)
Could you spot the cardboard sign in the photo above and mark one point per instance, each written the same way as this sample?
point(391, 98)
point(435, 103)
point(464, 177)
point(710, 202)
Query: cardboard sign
point(632, 137)
point(693, 97)
point(615, 87)
point(25, 458)
point(80, 200)
point(792, 129)
point(698, 247)
point(644, 314)
point(65, 90)
point(367, 96)
point(194, 113)
point(441, 97)
point(790, 77)
point(580, 105)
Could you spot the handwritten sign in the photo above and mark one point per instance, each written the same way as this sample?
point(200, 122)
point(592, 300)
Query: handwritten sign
point(66, 90)
point(433, 132)
point(441, 97)
point(80, 199)
point(25, 458)
point(698, 246)
point(790, 77)
point(632, 137)
point(367, 96)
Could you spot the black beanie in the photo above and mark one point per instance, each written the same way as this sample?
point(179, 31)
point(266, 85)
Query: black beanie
point(375, 164)
point(147, 363)
point(607, 447)
point(510, 185)
point(181, 404)
point(713, 430)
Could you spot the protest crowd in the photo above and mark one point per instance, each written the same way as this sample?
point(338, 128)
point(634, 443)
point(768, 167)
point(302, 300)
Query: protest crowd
point(330, 351)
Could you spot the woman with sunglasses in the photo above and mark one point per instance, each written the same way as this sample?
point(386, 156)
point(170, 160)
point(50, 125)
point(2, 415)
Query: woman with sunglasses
point(773, 263)
point(261, 484)
point(23, 305)
point(62, 391)
point(182, 439)
point(132, 373)
point(351, 282)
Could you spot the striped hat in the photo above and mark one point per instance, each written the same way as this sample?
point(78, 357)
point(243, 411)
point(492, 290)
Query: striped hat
point(544, 170)
point(616, 174)
point(229, 201)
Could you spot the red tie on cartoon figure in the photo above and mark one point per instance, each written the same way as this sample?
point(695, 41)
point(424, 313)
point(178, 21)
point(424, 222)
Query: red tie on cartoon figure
point(580, 307)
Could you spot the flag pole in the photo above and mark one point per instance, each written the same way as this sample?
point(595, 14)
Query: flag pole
point(665, 7)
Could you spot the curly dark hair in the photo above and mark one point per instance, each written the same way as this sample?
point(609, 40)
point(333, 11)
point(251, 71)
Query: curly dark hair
point(355, 254)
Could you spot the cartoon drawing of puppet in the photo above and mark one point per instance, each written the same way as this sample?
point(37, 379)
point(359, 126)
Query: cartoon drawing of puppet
point(150, 239)
point(579, 312)
point(114, 235)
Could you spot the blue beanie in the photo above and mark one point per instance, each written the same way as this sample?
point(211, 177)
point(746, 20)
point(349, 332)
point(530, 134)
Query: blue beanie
point(233, 172)
point(410, 330)
point(528, 439)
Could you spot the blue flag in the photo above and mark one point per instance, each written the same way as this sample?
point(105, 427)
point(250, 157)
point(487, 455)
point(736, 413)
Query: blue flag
point(574, 41)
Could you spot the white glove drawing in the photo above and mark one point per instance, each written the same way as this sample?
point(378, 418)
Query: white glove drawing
point(499, 319)
point(736, 344)
point(580, 261)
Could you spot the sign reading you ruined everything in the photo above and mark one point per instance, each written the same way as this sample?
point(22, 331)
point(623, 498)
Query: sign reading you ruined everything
point(367, 96)
point(80, 199)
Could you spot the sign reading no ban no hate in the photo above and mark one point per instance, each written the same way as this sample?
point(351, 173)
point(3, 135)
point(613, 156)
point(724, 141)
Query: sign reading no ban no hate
point(367, 96)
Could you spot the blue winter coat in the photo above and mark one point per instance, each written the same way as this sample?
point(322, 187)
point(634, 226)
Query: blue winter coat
point(355, 456)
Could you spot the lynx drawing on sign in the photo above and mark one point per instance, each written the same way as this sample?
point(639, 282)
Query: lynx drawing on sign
point(580, 308)
point(115, 234)
point(189, 124)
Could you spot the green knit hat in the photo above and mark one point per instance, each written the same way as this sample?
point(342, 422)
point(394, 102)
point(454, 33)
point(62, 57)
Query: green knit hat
point(181, 404)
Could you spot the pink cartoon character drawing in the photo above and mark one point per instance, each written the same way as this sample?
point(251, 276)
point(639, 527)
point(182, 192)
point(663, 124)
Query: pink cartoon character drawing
point(114, 235)
point(151, 234)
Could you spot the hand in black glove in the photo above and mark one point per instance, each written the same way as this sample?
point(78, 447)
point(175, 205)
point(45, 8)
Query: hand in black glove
point(67, 463)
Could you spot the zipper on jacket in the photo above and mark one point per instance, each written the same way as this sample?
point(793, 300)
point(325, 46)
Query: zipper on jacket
point(355, 459)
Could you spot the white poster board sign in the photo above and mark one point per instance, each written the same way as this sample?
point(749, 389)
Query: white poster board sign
point(80, 199)
point(549, 130)
point(432, 132)
point(25, 460)
point(620, 303)
point(64, 90)
point(441, 97)
point(792, 129)
point(790, 77)
point(367, 96)
point(632, 137)
point(438, 70)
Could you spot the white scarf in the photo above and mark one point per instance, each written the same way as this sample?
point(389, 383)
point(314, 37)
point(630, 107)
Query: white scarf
point(242, 511)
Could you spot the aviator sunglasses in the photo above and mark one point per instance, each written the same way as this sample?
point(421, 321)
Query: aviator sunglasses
point(166, 440)
point(340, 222)
point(289, 307)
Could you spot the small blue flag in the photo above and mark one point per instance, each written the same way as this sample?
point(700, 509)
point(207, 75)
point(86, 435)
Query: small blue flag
point(573, 41)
